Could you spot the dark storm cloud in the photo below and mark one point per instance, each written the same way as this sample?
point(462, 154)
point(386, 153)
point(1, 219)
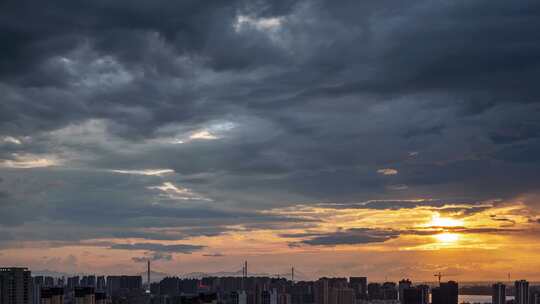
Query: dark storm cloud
point(355, 236)
point(305, 101)
point(456, 207)
point(177, 248)
point(345, 237)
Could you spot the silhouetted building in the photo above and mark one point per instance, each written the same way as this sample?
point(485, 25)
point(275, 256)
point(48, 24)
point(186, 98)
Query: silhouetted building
point(101, 284)
point(424, 292)
point(374, 291)
point(284, 298)
point(37, 283)
point(341, 296)
point(84, 295)
point(451, 291)
point(446, 293)
point(411, 295)
point(189, 286)
point(101, 298)
point(321, 291)
point(338, 283)
point(73, 282)
point(15, 285)
point(302, 293)
point(38, 280)
point(121, 285)
point(88, 281)
point(437, 296)
point(52, 295)
point(498, 294)
point(269, 297)
point(521, 292)
point(535, 298)
point(389, 291)
point(403, 284)
point(169, 286)
point(238, 297)
point(359, 284)
point(48, 282)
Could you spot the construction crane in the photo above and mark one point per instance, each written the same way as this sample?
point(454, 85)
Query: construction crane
point(439, 276)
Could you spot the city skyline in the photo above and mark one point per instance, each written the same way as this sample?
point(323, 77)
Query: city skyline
point(373, 138)
point(19, 286)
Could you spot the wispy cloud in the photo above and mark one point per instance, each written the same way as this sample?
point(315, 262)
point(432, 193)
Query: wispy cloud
point(28, 161)
point(11, 140)
point(156, 247)
point(148, 172)
point(203, 134)
point(171, 191)
point(387, 171)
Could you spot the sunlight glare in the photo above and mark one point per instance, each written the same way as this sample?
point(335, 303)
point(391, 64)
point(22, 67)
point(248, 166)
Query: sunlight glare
point(447, 238)
point(438, 221)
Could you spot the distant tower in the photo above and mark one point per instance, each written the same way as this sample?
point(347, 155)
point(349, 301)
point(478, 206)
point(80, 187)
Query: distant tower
point(292, 274)
point(148, 278)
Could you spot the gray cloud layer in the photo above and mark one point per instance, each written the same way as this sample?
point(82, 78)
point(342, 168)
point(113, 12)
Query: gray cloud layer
point(301, 101)
point(177, 248)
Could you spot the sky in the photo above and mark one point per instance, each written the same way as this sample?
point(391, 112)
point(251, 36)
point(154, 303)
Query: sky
point(378, 138)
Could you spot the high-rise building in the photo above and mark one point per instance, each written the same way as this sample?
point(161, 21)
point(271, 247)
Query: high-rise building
point(169, 286)
point(48, 281)
point(238, 297)
point(117, 285)
point(424, 292)
point(374, 291)
point(101, 298)
point(269, 297)
point(189, 286)
point(73, 282)
point(535, 298)
point(84, 295)
point(302, 293)
point(389, 291)
point(338, 283)
point(411, 295)
point(88, 281)
point(403, 284)
point(321, 291)
point(522, 292)
point(15, 285)
point(437, 296)
point(285, 298)
point(359, 284)
point(446, 293)
point(341, 296)
point(101, 284)
point(498, 293)
point(37, 282)
point(52, 295)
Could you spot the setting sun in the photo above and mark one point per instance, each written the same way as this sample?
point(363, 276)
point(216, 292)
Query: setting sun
point(438, 221)
point(447, 238)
